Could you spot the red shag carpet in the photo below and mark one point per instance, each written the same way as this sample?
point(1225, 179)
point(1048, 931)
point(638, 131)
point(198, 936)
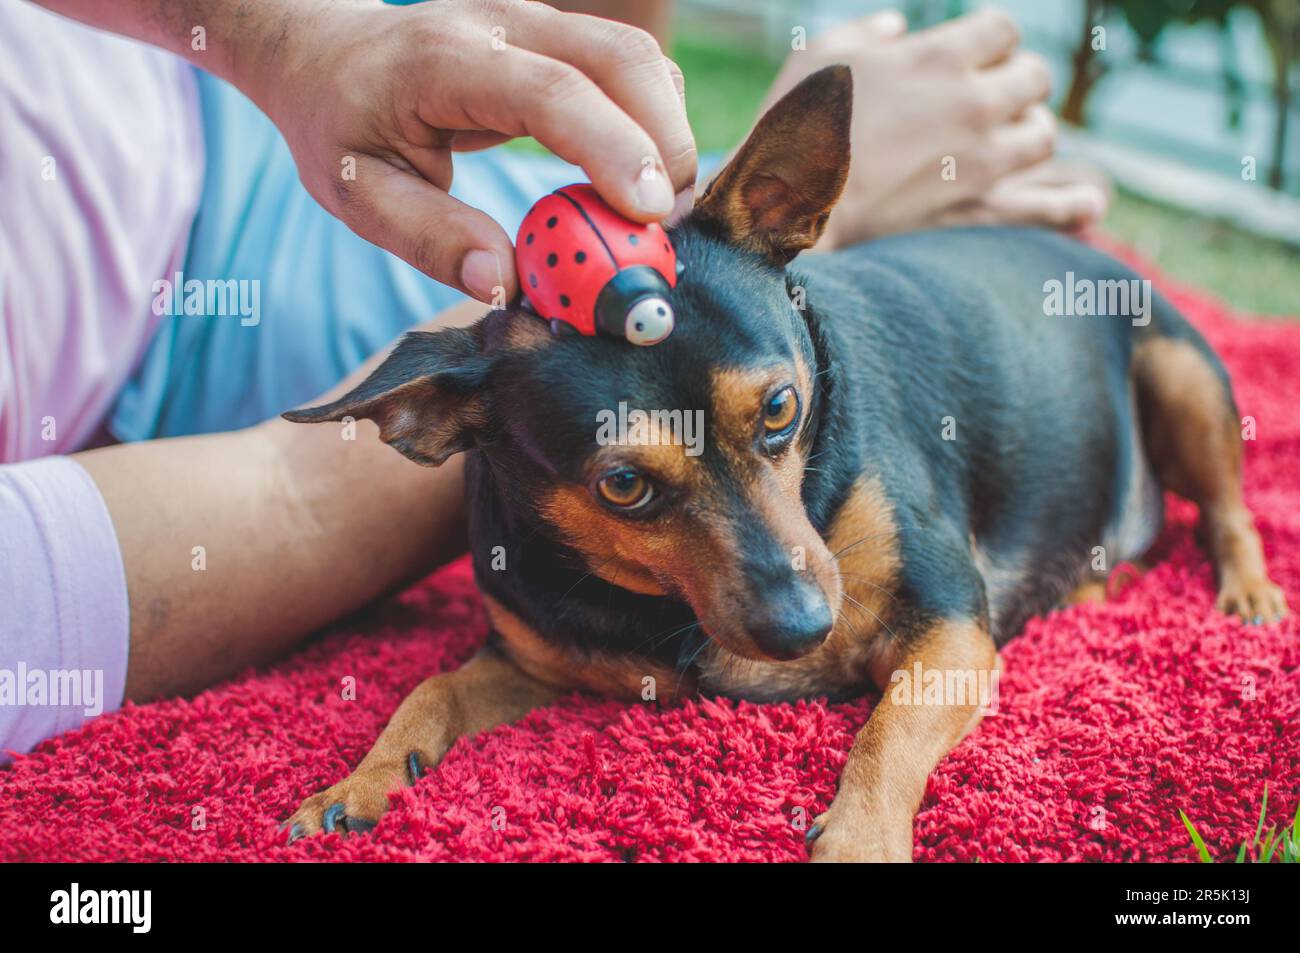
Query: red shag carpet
point(1112, 718)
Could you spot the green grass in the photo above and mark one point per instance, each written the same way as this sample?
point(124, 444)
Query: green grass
point(1249, 272)
point(724, 88)
point(1275, 845)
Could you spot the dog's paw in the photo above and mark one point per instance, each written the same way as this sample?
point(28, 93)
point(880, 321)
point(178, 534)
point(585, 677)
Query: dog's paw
point(1253, 599)
point(354, 805)
point(852, 836)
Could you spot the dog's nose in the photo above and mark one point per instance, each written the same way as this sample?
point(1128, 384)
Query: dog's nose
point(792, 624)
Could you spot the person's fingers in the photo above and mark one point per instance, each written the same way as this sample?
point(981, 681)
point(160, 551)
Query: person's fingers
point(1059, 206)
point(679, 80)
point(885, 24)
point(982, 38)
point(847, 39)
point(444, 238)
point(472, 140)
point(1023, 143)
point(630, 68)
point(1006, 90)
point(1065, 172)
point(556, 103)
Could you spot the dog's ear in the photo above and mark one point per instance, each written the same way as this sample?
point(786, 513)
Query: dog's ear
point(428, 396)
point(777, 193)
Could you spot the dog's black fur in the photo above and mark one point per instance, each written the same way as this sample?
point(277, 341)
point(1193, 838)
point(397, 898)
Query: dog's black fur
point(903, 333)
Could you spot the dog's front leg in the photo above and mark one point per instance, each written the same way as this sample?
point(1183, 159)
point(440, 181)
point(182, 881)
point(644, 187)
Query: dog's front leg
point(487, 691)
point(912, 728)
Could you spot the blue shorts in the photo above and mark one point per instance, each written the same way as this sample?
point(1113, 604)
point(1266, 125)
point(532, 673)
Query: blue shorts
point(327, 299)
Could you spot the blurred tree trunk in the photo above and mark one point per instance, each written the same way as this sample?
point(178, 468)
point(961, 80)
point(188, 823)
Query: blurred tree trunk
point(1281, 22)
point(1085, 70)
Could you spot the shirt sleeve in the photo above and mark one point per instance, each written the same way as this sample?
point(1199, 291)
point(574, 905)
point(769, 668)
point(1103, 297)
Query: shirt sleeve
point(64, 615)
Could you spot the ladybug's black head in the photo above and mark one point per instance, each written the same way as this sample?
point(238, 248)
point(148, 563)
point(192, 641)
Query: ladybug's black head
point(678, 469)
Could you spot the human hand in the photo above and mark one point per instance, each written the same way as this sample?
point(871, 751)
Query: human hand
point(960, 90)
point(374, 99)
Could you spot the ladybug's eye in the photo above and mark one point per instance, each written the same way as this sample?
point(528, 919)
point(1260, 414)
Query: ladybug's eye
point(649, 321)
point(625, 489)
point(780, 412)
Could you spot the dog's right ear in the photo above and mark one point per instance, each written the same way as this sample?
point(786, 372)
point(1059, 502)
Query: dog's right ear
point(776, 194)
point(428, 396)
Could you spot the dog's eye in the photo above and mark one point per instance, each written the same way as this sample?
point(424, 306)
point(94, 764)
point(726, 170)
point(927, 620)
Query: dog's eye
point(625, 489)
point(780, 411)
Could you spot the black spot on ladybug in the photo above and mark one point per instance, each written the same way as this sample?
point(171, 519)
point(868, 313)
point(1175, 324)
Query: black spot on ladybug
point(564, 300)
point(632, 239)
point(532, 281)
point(580, 257)
point(529, 239)
point(552, 222)
point(552, 259)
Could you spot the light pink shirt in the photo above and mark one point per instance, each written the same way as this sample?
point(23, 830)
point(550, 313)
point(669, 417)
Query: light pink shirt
point(101, 167)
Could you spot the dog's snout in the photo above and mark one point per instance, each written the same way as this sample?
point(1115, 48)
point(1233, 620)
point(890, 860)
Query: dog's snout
point(792, 623)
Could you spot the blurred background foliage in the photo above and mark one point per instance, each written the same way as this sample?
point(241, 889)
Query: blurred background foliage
point(1194, 83)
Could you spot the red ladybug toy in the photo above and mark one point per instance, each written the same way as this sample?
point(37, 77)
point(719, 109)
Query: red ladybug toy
point(588, 269)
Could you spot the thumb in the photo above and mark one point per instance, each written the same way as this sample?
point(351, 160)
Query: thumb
point(443, 237)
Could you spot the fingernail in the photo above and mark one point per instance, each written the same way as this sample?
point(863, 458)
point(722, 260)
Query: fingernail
point(480, 273)
point(654, 195)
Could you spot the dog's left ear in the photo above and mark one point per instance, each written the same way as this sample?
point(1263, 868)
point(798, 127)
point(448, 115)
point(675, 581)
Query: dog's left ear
point(777, 193)
point(428, 396)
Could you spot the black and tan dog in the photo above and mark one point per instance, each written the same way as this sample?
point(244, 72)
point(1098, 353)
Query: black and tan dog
point(897, 471)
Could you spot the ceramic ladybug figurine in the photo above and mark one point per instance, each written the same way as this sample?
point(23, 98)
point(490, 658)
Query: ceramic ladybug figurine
point(588, 269)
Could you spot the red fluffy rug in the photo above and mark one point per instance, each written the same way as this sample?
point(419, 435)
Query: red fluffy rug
point(1112, 719)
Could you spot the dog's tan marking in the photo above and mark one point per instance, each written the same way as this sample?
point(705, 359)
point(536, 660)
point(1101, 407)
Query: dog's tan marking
point(692, 552)
point(567, 669)
point(1194, 442)
point(884, 779)
point(864, 534)
point(486, 691)
point(619, 551)
point(1091, 592)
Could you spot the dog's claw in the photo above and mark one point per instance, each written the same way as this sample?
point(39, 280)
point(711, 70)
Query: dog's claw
point(413, 767)
point(1258, 620)
point(358, 825)
point(295, 832)
point(331, 818)
point(814, 832)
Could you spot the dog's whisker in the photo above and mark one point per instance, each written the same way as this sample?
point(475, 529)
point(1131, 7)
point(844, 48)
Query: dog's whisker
point(881, 622)
point(864, 539)
point(876, 586)
point(687, 667)
point(659, 638)
point(581, 579)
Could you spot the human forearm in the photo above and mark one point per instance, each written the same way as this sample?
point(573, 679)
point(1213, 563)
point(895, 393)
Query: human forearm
point(297, 526)
point(239, 41)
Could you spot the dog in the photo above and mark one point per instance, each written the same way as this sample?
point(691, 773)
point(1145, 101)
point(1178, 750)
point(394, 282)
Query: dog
point(904, 459)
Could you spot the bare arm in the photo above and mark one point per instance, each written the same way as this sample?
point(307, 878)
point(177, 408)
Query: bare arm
point(298, 527)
